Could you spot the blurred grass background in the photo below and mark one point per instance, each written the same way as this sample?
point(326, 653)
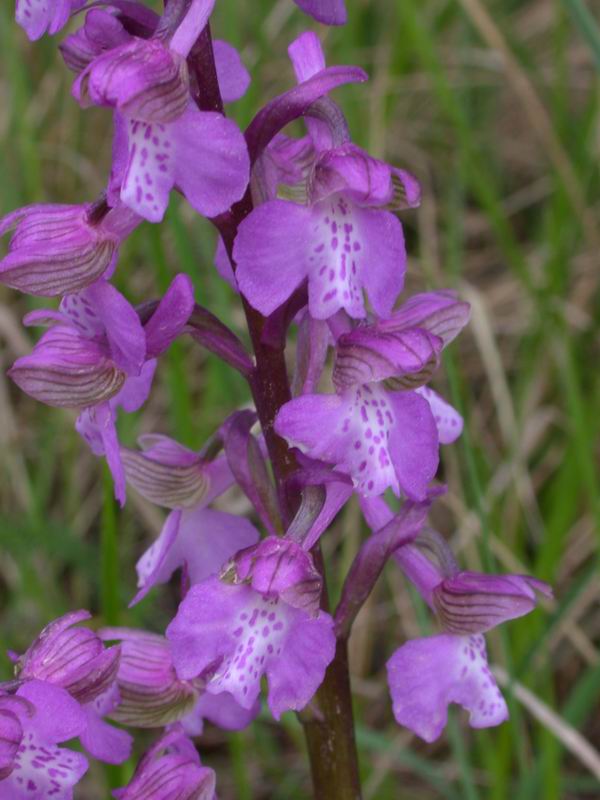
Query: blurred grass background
point(494, 104)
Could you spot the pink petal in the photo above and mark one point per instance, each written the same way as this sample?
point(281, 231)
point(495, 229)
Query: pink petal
point(149, 173)
point(121, 324)
point(212, 165)
point(270, 253)
point(426, 675)
point(233, 76)
point(413, 444)
point(449, 422)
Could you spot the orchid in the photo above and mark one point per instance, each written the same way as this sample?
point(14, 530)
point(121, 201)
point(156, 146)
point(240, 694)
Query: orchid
point(383, 438)
point(75, 659)
point(261, 621)
point(310, 238)
point(56, 250)
point(33, 722)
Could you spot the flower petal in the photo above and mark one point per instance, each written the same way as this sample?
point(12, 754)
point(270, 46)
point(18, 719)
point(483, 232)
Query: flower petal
point(426, 675)
point(121, 325)
point(233, 76)
point(148, 174)
point(200, 539)
point(171, 316)
point(212, 165)
point(270, 253)
point(103, 741)
point(449, 422)
point(352, 431)
point(413, 444)
point(222, 710)
point(384, 253)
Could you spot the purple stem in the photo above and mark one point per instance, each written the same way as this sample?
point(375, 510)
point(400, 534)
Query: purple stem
point(330, 730)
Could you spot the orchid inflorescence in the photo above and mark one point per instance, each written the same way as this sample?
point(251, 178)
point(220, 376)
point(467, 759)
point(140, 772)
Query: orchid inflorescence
point(309, 236)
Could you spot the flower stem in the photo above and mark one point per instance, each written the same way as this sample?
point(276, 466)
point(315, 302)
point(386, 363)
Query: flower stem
point(329, 730)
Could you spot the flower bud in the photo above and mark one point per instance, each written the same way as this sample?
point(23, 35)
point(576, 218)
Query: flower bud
point(281, 568)
point(151, 694)
point(142, 79)
point(55, 249)
point(162, 481)
point(470, 602)
point(74, 659)
point(67, 370)
point(170, 770)
point(405, 359)
point(101, 31)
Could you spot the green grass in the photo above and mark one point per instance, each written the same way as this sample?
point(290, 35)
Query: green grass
point(498, 222)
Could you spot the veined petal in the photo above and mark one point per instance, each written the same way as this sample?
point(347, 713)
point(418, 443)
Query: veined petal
point(367, 355)
point(447, 419)
point(150, 694)
point(470, 602)
point(166, 485)
point(440, 313)
point(426, 675)
point(170, 770)
point(54, 250)
point(101, 31)
point(142, 79)
point(67, 371)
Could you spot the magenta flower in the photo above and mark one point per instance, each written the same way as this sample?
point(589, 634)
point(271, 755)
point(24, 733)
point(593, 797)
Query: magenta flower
point(161, 138)
point(194, 538)
point(426, 675)
point(170, 770)
point(231, 634)
point(380, 437)
point(73, 658)
point(98, 357)
point(56, 250)
point(38, 17)
point(344, 240)
point(76, 660)
point(32, 724)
